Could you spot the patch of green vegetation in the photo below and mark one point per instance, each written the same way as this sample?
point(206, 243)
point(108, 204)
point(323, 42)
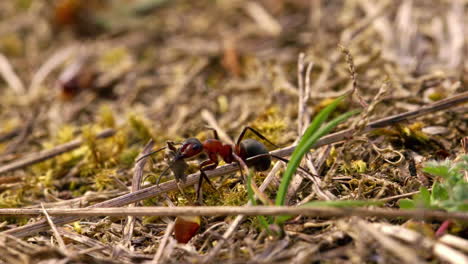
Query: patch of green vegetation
point(356, 166)
point(65, 133)
point(128, 156)
point(89, 138)
point(139, 129)
point(449, 191)
point(313, 133)
point(271, 124)
point(236, 196)
point(103, 179)
point(106, 116)
point(113, 57)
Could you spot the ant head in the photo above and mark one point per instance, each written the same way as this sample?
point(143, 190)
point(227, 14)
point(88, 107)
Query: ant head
point(190, 148)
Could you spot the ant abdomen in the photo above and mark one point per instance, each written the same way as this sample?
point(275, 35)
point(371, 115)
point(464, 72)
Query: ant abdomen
point(250, 148)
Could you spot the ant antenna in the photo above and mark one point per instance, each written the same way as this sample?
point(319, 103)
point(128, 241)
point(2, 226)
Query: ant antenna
point(149, 154)
point(154, 152)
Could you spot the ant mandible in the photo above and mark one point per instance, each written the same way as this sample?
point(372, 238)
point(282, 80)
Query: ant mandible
point(214, 148)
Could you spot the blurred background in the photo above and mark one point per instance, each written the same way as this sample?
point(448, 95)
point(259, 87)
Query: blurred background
point(168, 70)
point(168, 61)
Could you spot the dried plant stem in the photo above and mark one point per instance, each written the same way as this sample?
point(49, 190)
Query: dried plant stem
point(403, 252)
point(54, 229)
point(211, 120)
point(10, 77)
point(159, 254)
point(241, 210)
point(50, 153)
point(440, 248)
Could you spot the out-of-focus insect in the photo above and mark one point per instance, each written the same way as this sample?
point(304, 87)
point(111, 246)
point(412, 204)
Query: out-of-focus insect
point(76, 77)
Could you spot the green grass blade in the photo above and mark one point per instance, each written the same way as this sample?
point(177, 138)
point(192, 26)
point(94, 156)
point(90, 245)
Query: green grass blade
point(320, 118)
point(301, 149)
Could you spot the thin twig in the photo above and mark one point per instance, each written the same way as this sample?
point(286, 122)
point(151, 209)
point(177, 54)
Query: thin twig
point(397, 197)
point(50, 153)
point(241, 210)
point(211, 120)
point(10, 77)
point(54, 229)
point(162, 245)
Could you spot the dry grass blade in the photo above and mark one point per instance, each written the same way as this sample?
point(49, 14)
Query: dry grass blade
point(241, 210)
point(403, 252)
point(158, 257)
point(441, 248)
point(54, 229)
point(10, 76)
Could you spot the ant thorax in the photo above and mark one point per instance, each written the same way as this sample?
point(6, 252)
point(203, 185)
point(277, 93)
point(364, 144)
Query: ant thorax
point(214, 148)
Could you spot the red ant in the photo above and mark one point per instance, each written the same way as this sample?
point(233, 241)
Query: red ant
point(258, 155)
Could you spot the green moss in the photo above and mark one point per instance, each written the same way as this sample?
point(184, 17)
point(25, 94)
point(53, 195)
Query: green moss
point(103, 179)
point(113, 57)
point(270, 124)
point(11, 198)
point(236, 196)
point(47, 179)
point(77, 227)
point(128, 156)
point(139, 129)
point(359, 166)
point(106, 116)
point(65, 134)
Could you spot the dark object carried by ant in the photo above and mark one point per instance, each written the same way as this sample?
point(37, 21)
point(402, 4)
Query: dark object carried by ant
point(213, 148)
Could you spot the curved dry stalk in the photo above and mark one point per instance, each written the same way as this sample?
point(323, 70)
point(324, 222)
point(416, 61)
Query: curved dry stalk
point(10, 77)
point(136, 185)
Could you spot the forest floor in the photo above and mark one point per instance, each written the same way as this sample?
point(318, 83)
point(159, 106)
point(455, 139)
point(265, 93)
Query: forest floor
point(85, 85)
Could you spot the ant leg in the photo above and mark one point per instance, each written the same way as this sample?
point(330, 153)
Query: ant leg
point(282, 159)
point(205, 166)
point(215, 133)
point(258, 134)
point(181, 190)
